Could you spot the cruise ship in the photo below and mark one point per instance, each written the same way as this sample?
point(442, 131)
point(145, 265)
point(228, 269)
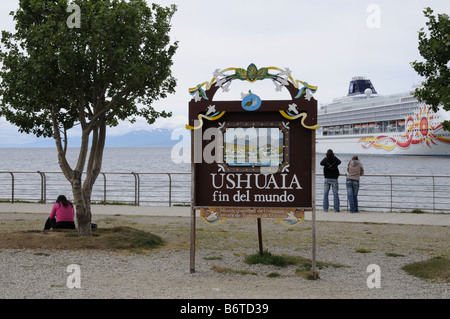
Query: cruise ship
point(364, 122)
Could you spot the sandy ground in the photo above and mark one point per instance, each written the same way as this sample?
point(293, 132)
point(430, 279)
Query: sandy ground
point(164, 273)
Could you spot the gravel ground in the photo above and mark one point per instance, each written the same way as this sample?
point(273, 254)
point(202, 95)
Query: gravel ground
point(164, 273)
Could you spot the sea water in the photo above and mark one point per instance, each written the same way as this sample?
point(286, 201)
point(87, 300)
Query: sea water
point(119, 164)
point(156, 159)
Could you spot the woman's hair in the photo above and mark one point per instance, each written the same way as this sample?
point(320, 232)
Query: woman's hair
point(355, 157)
point(330, 153)
point(63, 200)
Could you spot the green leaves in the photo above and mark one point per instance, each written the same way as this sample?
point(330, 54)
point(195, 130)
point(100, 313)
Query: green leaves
point(252, 74)
point(262, 73)
point(240, 74)
point(120, 58)
point(434, 47)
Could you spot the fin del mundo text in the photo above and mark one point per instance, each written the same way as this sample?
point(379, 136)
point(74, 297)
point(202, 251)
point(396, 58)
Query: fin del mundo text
point(251, 157)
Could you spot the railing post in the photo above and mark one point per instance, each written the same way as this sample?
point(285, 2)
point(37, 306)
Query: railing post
point(346, 196)
point(104, 188)
point(434, 197)
point(136, 188)
point(12, 187)
point(43, 187)
point(170, 189)
point(390, 177)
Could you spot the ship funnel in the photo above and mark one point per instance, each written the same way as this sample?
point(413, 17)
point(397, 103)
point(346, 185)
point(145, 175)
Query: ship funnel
point(359, 85)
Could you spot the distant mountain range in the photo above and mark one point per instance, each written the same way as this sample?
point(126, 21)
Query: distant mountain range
point(142, 138)
point(139, 138)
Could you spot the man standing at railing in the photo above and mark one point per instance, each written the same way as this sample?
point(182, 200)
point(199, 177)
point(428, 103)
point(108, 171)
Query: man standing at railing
point(354, 171)
point(331, 173)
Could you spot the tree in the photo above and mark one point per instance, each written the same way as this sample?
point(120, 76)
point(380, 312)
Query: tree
point(435, 49)
point(107, 67)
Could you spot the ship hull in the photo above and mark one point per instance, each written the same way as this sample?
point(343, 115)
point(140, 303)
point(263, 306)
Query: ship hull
point(397, 124)
point(386, 145)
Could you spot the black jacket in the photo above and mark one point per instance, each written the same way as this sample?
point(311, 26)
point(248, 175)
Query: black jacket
point(330, 167)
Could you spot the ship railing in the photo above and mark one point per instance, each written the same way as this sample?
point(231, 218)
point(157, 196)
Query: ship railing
point(377, 192)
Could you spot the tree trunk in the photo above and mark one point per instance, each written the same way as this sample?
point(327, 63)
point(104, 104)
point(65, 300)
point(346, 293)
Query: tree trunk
point(82, 191)
point(84, 218)
point(82, 206)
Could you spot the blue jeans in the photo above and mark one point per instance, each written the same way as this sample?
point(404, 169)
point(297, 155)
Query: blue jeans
point(352, 193)
point(331, 182)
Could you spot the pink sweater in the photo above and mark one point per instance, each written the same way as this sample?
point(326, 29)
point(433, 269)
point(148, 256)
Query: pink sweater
point(63, 214)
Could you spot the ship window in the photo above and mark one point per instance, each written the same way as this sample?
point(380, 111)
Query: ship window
point(351, 89)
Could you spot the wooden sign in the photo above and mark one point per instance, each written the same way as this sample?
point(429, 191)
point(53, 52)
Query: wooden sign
point(253, 152)
point(252, 158)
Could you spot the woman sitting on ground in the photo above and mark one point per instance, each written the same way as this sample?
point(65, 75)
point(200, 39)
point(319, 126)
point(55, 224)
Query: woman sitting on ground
point(62, 215)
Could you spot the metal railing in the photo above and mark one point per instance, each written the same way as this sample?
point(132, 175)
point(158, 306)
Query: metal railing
point(110, 188)
point(377, 192)
point(394, 192)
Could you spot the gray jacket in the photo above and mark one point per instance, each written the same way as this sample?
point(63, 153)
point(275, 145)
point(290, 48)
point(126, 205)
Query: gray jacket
point(354, 170)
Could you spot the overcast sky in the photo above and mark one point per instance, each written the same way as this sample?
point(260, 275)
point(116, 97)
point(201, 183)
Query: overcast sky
point(324, 43)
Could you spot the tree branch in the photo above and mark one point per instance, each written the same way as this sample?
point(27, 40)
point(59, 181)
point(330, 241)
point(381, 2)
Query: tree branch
point(96, 155)
point(65, 167)
point(90, 126)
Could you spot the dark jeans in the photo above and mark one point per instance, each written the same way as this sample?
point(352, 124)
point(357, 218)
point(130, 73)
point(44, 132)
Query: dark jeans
point(331, 182)
point(352, 193)
point(51, 223)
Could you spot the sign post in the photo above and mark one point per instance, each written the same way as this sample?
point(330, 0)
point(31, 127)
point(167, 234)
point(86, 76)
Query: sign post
point(252, 158)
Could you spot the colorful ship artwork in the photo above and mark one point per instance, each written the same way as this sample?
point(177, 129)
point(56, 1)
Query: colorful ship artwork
point(364, 122)
point(420, 130)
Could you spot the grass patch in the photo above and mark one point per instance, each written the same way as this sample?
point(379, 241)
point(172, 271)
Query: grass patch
point(305, 269)
point(213, 258)
point(418, 211)
point(394, 255)
point(266, 258)
point(435, 269)
point(182, 205)
point(122, 237)
point(226, 270)
point(41, 254)
point(306, 273)
point(273, 275)
point(363, 250)
point(114, 203)
point(115, 238)
point(305, 265)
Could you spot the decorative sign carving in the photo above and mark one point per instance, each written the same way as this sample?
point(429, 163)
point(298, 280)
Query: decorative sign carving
point(253, 152)
point(286, 216)
point(252, 158)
